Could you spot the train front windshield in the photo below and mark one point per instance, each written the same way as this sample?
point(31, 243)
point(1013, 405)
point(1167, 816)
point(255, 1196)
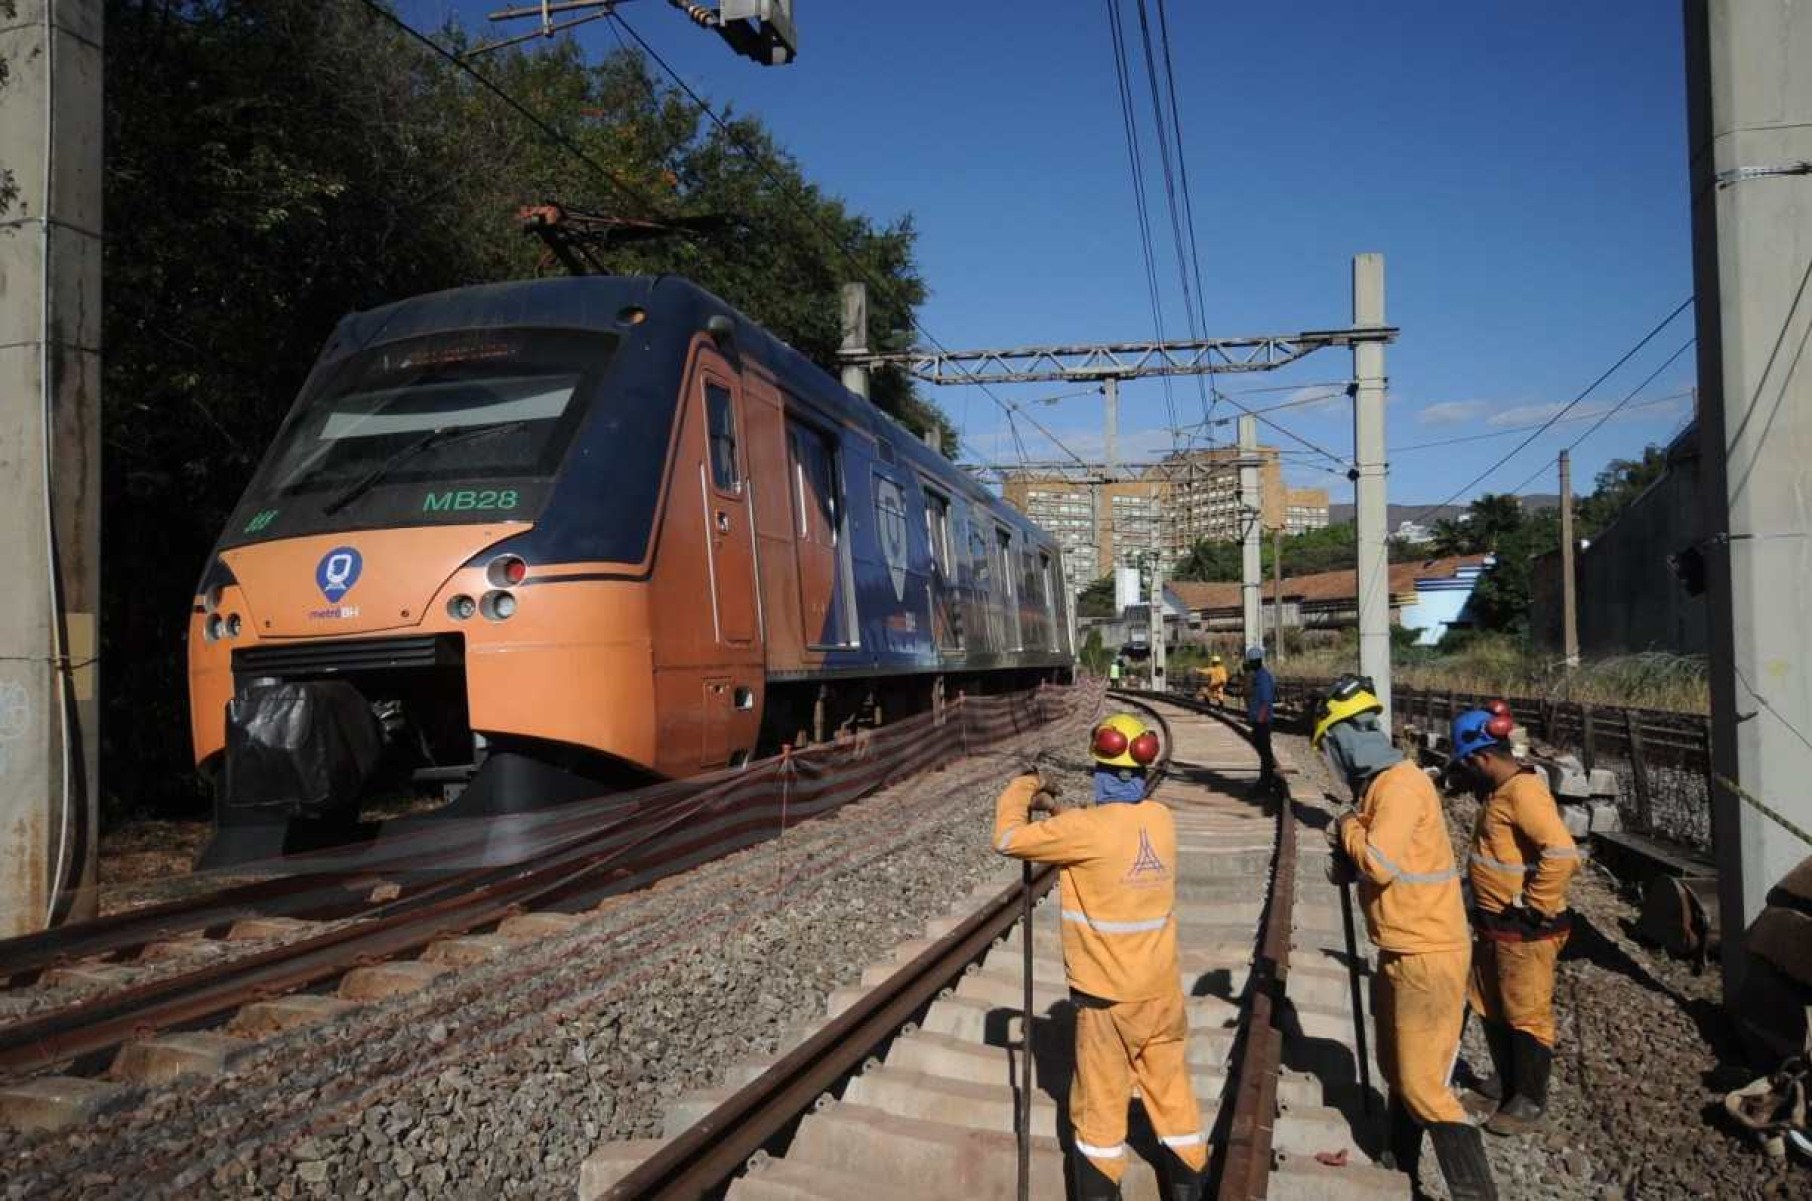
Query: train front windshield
point(459, 426)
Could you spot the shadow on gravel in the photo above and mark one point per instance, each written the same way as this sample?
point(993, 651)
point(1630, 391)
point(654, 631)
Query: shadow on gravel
point(1588, 943)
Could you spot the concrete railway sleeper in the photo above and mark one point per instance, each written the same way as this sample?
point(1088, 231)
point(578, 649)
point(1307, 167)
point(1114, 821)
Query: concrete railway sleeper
point(908, 1086)
point(211, 1012)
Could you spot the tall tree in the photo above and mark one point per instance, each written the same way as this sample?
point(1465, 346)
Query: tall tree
point(273, 165)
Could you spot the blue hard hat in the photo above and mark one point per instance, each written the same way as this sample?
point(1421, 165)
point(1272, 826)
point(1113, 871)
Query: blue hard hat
point(1476, 729)
point(1255, 654)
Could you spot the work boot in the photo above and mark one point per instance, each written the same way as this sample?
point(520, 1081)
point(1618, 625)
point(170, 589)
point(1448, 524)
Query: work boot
point(1461, 1150)
point(1092, 1184)
point(1484, 1095)
point(1403, 1139)
point(1181, 1182)
point(1532, 1065)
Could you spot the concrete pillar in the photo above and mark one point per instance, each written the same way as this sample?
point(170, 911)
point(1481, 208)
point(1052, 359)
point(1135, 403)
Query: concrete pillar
point(1749, 107)
point(1251, 561)
point(1569, 595)
point(1111, 425)
point(1369, 490)
point(1156, 614)
point(855, 337)
point(50, 456)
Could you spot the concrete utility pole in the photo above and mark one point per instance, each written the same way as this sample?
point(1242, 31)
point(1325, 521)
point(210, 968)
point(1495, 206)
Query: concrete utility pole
point(1749, 109)
point(855, 338)
point(1368, 488)
point(1569, 595)
point(1157, 623)
point(50, 446)
point(1110, 388)
point(1277, 593)
point(1251, 560)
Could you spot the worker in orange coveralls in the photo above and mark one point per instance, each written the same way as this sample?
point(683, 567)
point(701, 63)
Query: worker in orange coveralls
point(1394, 842)
point(1118, 890)
point(1522, 858)
point(1217, 682)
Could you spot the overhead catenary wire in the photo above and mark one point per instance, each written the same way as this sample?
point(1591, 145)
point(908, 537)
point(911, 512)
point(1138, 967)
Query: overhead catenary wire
point(789, 193)
point(1510, 431)
point(648, 207)
point(1612, 411)
point(1627, 355)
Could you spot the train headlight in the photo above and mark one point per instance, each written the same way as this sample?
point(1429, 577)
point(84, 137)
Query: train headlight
point(498, 606)
point(461, 608)
point(506, 571)
point(232, 625)
point(210, 600)
point(213, 627)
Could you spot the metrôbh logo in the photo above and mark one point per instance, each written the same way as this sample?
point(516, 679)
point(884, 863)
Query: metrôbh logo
point(338, 571)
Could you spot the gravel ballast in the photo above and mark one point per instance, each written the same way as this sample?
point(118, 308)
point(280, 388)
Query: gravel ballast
point(1636, 1080)
point(497, 1080)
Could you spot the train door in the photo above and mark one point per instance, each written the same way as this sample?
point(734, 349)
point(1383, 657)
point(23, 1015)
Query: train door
point(946, 619)
point(817, 487)
point(727, 530)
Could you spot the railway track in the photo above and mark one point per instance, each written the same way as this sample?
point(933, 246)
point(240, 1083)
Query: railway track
point(167, 1001)
point(908, 1087)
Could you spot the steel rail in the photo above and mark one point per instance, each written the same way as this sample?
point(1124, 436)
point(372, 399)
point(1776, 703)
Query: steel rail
point(716, 1147)
point(1242, 1163)
point(603, 860)
point(710, 1152)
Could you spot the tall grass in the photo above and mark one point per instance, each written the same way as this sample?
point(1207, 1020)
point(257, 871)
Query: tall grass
point(1495, 663)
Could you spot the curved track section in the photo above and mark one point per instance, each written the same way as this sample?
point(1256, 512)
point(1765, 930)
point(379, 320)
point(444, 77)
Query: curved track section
point(909, 1086)
point(394, 943)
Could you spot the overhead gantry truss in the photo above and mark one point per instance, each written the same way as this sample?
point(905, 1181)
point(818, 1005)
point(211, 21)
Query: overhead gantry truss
point(1118, 360)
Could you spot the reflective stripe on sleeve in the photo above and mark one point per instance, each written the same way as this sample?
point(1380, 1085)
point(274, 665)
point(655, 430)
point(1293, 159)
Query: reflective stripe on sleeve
point(1183, 1140)
point(1104, 927)
point(1560, 852)
point(1410, 877)
point(1522, 869)
point(1094, 1152)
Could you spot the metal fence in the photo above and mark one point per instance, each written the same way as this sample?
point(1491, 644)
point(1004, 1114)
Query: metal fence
point(1662, 760)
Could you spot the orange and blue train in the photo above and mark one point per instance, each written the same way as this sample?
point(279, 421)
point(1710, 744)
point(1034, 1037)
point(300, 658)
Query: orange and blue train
point(524, 543)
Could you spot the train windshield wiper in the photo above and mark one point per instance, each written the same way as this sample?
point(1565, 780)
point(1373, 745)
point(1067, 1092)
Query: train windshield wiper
point(446, 435)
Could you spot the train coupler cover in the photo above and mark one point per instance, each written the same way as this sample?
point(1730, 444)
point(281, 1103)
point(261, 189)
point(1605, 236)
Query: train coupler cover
point(304, 748)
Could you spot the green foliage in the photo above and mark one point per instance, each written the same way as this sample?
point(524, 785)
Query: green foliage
point(1331, 548)
point(1093, 656)
point(272, 166)
point(1097, 600)
point(1621, 482)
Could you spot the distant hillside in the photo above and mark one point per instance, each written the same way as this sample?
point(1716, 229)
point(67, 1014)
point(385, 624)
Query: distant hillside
point(1343, 514)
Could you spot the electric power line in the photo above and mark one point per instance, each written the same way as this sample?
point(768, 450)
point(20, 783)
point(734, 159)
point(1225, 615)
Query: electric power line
point(1562, 411)
point(1512, 430)
point(1613, 410)
point(647, 206)
point(788, 192)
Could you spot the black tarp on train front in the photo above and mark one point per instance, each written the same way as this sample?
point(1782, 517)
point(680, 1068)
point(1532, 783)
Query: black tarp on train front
point(300, 748)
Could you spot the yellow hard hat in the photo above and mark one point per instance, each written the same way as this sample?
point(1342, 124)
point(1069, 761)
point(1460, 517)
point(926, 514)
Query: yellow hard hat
point(1214, 658)
point(1123, 741)
point(1349, 697)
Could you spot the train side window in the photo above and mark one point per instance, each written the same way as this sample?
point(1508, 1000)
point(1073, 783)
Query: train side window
point(937, 529)
point(720, 417)
point(1003, 546)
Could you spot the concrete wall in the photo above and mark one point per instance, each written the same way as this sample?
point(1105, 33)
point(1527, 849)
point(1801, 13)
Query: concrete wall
point(1629, 600)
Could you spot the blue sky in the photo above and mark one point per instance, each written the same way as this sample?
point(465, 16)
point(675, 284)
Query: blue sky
point(1522, 168)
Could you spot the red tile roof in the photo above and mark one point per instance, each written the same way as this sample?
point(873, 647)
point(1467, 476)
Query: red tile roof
point(1325, 586)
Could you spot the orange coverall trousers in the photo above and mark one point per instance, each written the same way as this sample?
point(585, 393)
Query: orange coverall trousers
point(1121, 1044)
point(1419, 1002)
point(1513, 983)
